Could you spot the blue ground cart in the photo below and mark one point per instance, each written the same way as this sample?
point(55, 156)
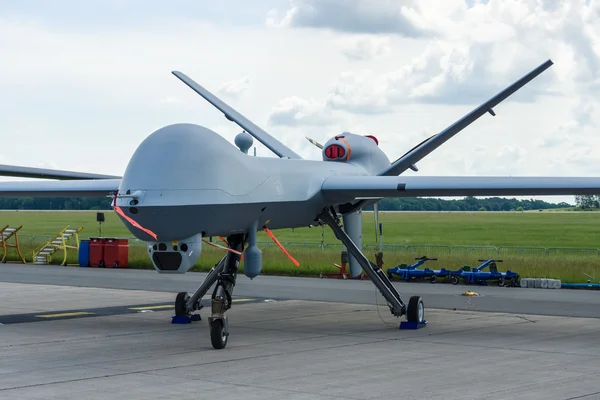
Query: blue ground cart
point(449, 275)
point(481, 277)
point(410, 272)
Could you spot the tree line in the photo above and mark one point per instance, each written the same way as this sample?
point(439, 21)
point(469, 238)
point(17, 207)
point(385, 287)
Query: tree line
point(388, 204)
point(466, 204)
point(587, 202)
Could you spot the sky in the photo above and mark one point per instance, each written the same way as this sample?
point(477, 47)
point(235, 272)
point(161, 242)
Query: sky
point(82, 84)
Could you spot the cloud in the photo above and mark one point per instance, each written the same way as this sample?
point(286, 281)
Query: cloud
point(360, 92)
point(362, 47)
point(171, 100)
point(477, 50)
point(362, 16)
point(294, 111)
point(236, 87)
point(573, 132)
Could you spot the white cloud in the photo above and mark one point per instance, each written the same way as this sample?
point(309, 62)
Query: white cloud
point(297, 111)
point(364, 16)
point(476, 52)
point(172, 100)
point(236, 87)
point(365, 47)
point(574, 131)
point(360, 92)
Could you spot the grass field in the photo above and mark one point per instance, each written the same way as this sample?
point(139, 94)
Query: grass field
point(545, 229)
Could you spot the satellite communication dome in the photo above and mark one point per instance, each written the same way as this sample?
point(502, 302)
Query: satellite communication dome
point(244, 141)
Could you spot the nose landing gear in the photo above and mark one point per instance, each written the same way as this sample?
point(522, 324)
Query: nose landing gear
point(224, 274)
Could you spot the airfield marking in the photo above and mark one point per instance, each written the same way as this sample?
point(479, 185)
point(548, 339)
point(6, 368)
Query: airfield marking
point(97, 312)
point(67, 314)
point(151, 307)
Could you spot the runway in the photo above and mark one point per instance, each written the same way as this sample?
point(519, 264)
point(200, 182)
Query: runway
point(557, 302)
point(69, 339)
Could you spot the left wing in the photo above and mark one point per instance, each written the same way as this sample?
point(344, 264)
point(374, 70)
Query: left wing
point(348, 188)
point(45, 173)
point(73, 188)
point(424, 148)
point(261, 135)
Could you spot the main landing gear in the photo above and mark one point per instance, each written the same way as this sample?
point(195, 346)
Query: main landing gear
point(224, 274)
point(414, 311)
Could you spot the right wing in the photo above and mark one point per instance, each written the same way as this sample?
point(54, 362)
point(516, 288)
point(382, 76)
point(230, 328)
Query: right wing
point(73, 188)
point(261, 135)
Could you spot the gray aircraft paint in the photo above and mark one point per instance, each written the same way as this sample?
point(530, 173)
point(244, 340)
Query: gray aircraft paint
point(188, 181)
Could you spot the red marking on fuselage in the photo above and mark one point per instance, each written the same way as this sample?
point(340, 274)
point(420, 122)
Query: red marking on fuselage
point(131, 221)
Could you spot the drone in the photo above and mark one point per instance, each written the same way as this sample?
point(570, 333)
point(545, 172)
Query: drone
point(185, 183)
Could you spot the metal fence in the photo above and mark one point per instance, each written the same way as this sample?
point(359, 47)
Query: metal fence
point(29, 242)
point(458, 249)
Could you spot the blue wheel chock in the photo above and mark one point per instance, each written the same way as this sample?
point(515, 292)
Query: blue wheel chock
point(412, 325)
point(185, 319)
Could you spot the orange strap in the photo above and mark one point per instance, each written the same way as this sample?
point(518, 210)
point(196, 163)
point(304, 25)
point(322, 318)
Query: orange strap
point(348, 147)
point(268, 232)
point(222, 247)
point(131, 221)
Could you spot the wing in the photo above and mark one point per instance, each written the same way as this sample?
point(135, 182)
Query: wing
point(75, 188)
point(43, 173)
point(347, 188)
point(429, 145)
point(262, 136)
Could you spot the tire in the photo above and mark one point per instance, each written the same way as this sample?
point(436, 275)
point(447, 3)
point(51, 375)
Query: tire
point(415, 312)
point(433, 279)
point(218, 336)
point(180, 302)
point(501, 281)
point(454, 280)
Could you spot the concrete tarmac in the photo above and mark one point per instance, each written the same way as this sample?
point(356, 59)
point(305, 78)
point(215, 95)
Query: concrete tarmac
point(558, 302)
point(63, 347)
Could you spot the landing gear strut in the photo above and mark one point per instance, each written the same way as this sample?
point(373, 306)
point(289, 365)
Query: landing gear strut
point(224, 274)
point(221, 298)
point(415, 311)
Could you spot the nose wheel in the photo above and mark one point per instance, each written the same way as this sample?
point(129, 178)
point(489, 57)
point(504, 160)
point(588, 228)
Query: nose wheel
point(218, 334)
point(415, 312)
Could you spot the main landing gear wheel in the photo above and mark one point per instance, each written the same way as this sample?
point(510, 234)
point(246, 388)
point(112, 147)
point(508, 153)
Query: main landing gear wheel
point(218, 334)
point(415, 312)
point(454, 280)
point(181, 304)
point(433, 279)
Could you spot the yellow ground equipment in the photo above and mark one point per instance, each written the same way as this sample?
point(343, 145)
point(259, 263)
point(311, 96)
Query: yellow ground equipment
point(6, 233)
point(43, 255)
